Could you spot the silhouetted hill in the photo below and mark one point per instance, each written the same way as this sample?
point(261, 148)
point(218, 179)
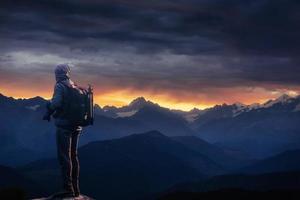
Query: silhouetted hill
point(219, 155)
point(256, 183)
point(234, 194)
point(286, 161)
point(12, 180)
point(135, 166)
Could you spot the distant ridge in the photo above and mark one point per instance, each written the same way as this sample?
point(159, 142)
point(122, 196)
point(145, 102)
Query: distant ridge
point(141, 102)
point(286, 161)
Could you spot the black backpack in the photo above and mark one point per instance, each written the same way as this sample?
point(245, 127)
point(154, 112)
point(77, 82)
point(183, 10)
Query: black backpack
point(79, 108)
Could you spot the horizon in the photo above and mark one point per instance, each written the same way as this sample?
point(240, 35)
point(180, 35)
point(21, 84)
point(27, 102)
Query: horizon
point(161, 105)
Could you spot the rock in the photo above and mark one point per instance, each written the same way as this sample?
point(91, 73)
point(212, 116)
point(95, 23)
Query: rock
point(81, 197)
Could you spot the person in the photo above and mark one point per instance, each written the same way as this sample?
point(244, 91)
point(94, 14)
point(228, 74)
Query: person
point(67, 133)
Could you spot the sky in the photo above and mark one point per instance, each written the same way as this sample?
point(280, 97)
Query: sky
point(181, 53)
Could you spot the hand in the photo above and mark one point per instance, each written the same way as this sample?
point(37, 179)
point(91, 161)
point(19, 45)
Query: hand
point(47, 117)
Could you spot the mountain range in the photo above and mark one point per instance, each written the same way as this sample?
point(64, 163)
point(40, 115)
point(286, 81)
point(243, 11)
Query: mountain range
point(144, 165)
point(246, 131)
point(25, 137)
point(259, 131)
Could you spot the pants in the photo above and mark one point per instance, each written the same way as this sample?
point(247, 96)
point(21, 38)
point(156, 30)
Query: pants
point(67, 145)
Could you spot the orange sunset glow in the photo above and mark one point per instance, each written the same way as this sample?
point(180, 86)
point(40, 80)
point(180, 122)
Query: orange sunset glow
point(185, 102)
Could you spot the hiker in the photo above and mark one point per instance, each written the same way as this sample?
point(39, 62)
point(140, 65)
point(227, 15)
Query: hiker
point(68, 128)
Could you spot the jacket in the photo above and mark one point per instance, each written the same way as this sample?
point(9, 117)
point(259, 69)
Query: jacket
point(58, 103)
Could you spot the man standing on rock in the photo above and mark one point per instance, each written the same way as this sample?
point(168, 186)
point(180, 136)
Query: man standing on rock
point(69, 114)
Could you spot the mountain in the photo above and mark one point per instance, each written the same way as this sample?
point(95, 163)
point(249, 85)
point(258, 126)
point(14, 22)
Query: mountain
point(286, 161)
point(260, 132)
point(14, 180)
point(125, 111)
point(140, 103)
point(225, 158)
point(147, 118)
point(284, 99)
point(189, 116)
point(233, 194)
point(31, 103)
point(163, 120)
point(107, 113)
point(287, 182)
point(224, 111)
point(229, 111)
point(24, 136)
point(135, 166)
point(137, 104)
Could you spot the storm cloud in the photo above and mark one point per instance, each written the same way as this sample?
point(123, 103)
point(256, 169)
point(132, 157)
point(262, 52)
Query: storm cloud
point(198, 51)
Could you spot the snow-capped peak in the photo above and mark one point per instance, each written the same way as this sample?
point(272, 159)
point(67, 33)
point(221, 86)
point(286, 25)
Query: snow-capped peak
point(282, 99)
point(254, 106)
point(138, 101)
point(239, 108)
point(240, 105)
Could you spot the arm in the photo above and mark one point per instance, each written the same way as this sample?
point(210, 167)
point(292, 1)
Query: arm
point(55, 103)
point(57, 100)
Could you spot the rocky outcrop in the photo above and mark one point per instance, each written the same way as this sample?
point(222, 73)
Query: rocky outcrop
point(81, 197)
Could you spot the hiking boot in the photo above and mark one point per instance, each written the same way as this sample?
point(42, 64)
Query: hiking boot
point(76, 193)
point(63, 194)
point(76, 189)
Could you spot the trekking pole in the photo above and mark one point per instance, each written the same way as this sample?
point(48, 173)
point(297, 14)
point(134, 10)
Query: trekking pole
point(91, 98)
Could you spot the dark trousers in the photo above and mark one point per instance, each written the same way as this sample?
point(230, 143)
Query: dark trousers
point(67, 144)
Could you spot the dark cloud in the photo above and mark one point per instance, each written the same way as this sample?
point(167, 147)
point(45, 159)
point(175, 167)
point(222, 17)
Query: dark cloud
point(268, 27)
point(180, 44)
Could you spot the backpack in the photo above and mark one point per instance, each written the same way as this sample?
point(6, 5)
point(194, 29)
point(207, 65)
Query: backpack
point(79, 108)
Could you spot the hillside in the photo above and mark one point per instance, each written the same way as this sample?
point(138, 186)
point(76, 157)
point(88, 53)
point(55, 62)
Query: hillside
point(135, 166)
point(286, 161)
point(284, 184)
